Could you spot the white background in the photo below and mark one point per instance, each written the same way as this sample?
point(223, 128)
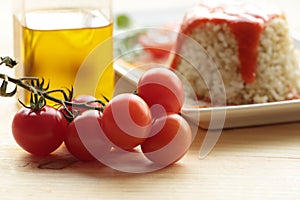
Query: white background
point(138, 8)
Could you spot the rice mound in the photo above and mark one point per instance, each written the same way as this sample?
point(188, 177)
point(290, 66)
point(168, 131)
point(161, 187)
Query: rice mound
point(277, 73)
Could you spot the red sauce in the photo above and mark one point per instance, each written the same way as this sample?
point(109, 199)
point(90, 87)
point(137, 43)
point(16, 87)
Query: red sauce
point(246, 21)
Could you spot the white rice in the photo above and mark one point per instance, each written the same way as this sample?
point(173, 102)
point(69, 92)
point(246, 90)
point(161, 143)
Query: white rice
point(277, 73)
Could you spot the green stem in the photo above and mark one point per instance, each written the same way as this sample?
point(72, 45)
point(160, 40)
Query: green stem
point(46, 94)
point(33, 85)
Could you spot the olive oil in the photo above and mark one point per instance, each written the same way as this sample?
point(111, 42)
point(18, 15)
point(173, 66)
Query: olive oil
point(68, 48)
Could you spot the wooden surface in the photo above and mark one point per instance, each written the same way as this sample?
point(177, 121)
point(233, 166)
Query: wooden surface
point(247, 163)
point(250, 163)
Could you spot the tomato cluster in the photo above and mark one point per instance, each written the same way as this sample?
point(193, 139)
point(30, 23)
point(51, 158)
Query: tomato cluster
point(149, 119)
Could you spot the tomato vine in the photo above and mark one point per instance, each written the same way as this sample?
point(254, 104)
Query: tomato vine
point(150, 119)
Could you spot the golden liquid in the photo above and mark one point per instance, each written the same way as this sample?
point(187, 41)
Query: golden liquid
point(62, 51)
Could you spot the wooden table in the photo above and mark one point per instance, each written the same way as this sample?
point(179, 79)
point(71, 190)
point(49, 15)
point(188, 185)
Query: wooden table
point(247, 163)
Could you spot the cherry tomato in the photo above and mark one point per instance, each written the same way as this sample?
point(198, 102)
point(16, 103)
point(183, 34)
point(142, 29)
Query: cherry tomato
point(161, 86)
point(126, 121)
point(159, 42)
point(78, 110)
point(84, 134)
point(64, 121)
point(170, 139)
point(83, 99)
point(38, 132)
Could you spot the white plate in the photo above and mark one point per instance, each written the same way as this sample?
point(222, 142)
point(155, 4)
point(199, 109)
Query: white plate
point(249, 115)
point(229, 116)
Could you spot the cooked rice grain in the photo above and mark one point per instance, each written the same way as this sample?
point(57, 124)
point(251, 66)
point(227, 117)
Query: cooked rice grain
point(277, 70)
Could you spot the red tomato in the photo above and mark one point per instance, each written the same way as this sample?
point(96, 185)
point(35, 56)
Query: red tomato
point(84, 134)
point(161, 86)
point(64, 121)
point(159, 42)
point(126, 121)
point(170, 139)
point(38, 132)
point(73, 109)
point(83, 99)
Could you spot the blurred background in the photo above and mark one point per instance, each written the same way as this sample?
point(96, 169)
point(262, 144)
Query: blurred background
point(144, 13)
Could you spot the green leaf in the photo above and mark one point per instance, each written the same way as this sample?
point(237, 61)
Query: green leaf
point(8, 61)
